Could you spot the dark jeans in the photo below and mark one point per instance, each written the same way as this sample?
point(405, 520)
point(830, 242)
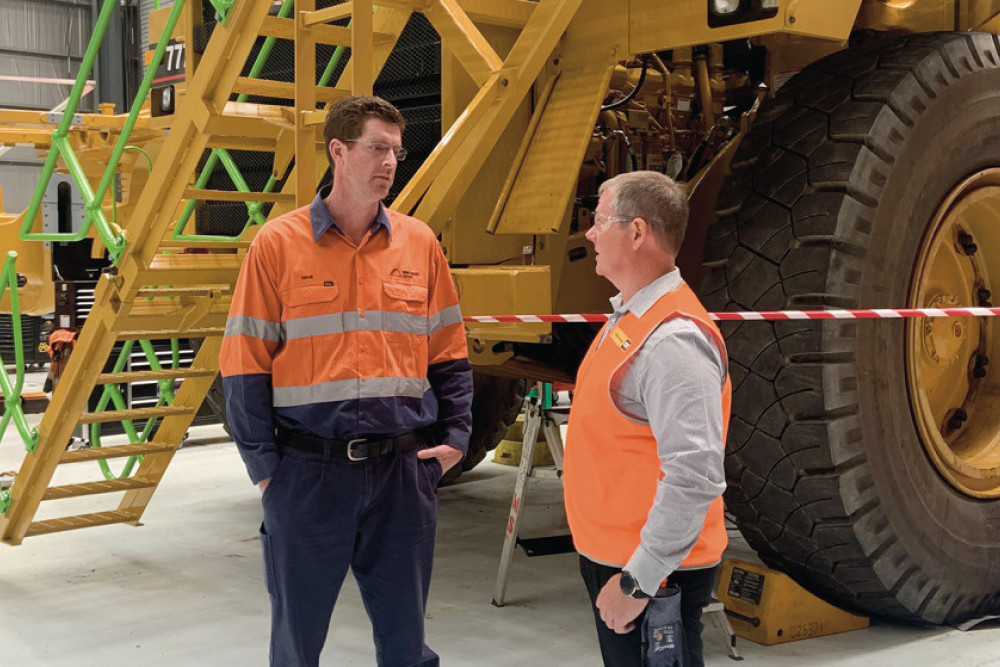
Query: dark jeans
point(626, 650)
point(377, 517)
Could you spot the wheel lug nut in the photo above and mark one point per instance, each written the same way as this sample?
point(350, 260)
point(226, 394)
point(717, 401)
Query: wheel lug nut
point(979, 367)
point(957, 418)
point(968, 246)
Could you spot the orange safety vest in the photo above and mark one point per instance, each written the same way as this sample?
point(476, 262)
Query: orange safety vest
point(611, 462)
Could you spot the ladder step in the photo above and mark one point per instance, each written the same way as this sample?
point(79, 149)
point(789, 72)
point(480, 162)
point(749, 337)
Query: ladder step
point(251, 121)
point(336, 13)
point(236, 244)
point(82, 521)
point(135, 413)
point(116, 451)
point(174, 292)
point(193, 269)
point(166, 334)
point(241, 197)
point(164, 374)
point(92, 488)
point(284, 90)
point(333, 35)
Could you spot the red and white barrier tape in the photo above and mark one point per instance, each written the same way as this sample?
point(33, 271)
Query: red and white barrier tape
point(858, 314)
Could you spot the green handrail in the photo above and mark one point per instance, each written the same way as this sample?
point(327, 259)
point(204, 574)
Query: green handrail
point(223, 7)
point(12, 409)
point(93, 199)
point(254, 209)
point(113, 394)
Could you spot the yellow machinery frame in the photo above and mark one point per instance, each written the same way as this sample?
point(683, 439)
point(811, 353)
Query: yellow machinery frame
point(524, 82)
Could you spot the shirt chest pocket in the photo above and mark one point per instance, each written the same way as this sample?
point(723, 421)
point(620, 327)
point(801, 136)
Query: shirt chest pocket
point(404, 319)
point(308, 300)
point(404, 298)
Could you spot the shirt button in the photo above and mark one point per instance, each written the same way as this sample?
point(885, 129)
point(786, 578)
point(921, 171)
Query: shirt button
point(361, 281)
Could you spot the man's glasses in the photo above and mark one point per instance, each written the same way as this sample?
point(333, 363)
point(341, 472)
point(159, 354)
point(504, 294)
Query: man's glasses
point(602, 221)
point(379, 148)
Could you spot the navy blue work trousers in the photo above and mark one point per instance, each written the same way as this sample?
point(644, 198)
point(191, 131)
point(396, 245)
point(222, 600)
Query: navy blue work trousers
point(626, 650)
point(378, 517)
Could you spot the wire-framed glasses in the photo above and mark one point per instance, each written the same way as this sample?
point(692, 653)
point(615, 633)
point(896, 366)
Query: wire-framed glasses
point(602, 221)
point(379, 148)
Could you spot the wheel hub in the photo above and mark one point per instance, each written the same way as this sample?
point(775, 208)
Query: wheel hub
point(953, 392)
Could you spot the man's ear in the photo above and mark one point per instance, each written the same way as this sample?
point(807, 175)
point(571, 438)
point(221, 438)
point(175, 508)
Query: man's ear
point(640, 232)
point(335, 148)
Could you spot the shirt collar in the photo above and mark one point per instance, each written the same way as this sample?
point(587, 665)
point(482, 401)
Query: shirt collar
point(644, 299)
point(323, 221)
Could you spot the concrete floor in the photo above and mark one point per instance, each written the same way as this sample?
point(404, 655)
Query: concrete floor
point(186, 588)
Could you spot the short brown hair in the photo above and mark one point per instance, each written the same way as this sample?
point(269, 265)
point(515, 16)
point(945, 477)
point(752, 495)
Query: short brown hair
point(346, 118)
point(655, 198)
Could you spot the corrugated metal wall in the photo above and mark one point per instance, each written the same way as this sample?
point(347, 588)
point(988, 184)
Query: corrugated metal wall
point(38, 39)
point(42, 39)
point(145, 7)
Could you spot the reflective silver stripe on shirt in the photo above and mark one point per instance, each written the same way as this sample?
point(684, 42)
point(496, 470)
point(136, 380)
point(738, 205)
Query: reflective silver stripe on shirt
point(244, 325)
point(345, 390)
point(337, 323)
point(445, 317)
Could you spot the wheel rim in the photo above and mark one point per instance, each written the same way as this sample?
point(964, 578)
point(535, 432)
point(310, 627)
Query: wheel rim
point(953, 389)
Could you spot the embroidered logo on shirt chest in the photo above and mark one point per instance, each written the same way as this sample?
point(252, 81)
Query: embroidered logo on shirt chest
point(403, 273)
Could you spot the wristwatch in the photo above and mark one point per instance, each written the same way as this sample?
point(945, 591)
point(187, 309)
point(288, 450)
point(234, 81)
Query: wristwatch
point(630, 587)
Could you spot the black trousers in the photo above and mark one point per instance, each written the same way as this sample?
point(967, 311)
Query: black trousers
point(626, 650)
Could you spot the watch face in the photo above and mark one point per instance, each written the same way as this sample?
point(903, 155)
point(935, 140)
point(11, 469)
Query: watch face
point(628, 585)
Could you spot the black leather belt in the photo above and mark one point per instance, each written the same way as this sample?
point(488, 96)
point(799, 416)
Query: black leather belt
point(356, 449)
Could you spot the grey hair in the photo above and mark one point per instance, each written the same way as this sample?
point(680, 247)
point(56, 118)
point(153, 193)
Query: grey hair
point(655, 198)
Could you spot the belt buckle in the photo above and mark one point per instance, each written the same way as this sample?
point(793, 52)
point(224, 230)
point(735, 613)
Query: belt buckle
point(350, 454)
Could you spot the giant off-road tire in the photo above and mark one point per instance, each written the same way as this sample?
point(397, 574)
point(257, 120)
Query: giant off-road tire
point(869, 182)
point(496, 402)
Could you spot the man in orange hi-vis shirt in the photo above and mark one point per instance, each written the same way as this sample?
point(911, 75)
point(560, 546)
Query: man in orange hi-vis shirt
point(348, 390)
point(643, 476)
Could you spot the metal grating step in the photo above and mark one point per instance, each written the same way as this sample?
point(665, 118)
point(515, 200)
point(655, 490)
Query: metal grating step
point(137, 413)
point(115, 451)
point(147, 376)
point(93, 488)
point(82, 521)
point(163, 334)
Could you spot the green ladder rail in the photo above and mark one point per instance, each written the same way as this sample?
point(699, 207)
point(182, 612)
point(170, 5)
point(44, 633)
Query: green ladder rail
point(93, 199)
point(12, 408)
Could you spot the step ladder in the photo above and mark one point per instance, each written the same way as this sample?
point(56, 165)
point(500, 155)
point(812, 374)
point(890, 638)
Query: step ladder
point(158, 292)
point(537, 419)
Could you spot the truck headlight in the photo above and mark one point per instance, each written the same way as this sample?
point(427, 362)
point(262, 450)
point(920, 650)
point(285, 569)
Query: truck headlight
point(725, 6)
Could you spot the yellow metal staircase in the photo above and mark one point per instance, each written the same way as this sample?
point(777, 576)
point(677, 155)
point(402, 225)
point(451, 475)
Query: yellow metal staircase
point(157, 292)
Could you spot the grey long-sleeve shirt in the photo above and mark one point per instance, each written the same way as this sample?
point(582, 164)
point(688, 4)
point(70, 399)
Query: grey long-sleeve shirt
point(673, 384)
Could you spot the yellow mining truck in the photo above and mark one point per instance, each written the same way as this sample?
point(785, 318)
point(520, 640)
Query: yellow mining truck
point(838, 154)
